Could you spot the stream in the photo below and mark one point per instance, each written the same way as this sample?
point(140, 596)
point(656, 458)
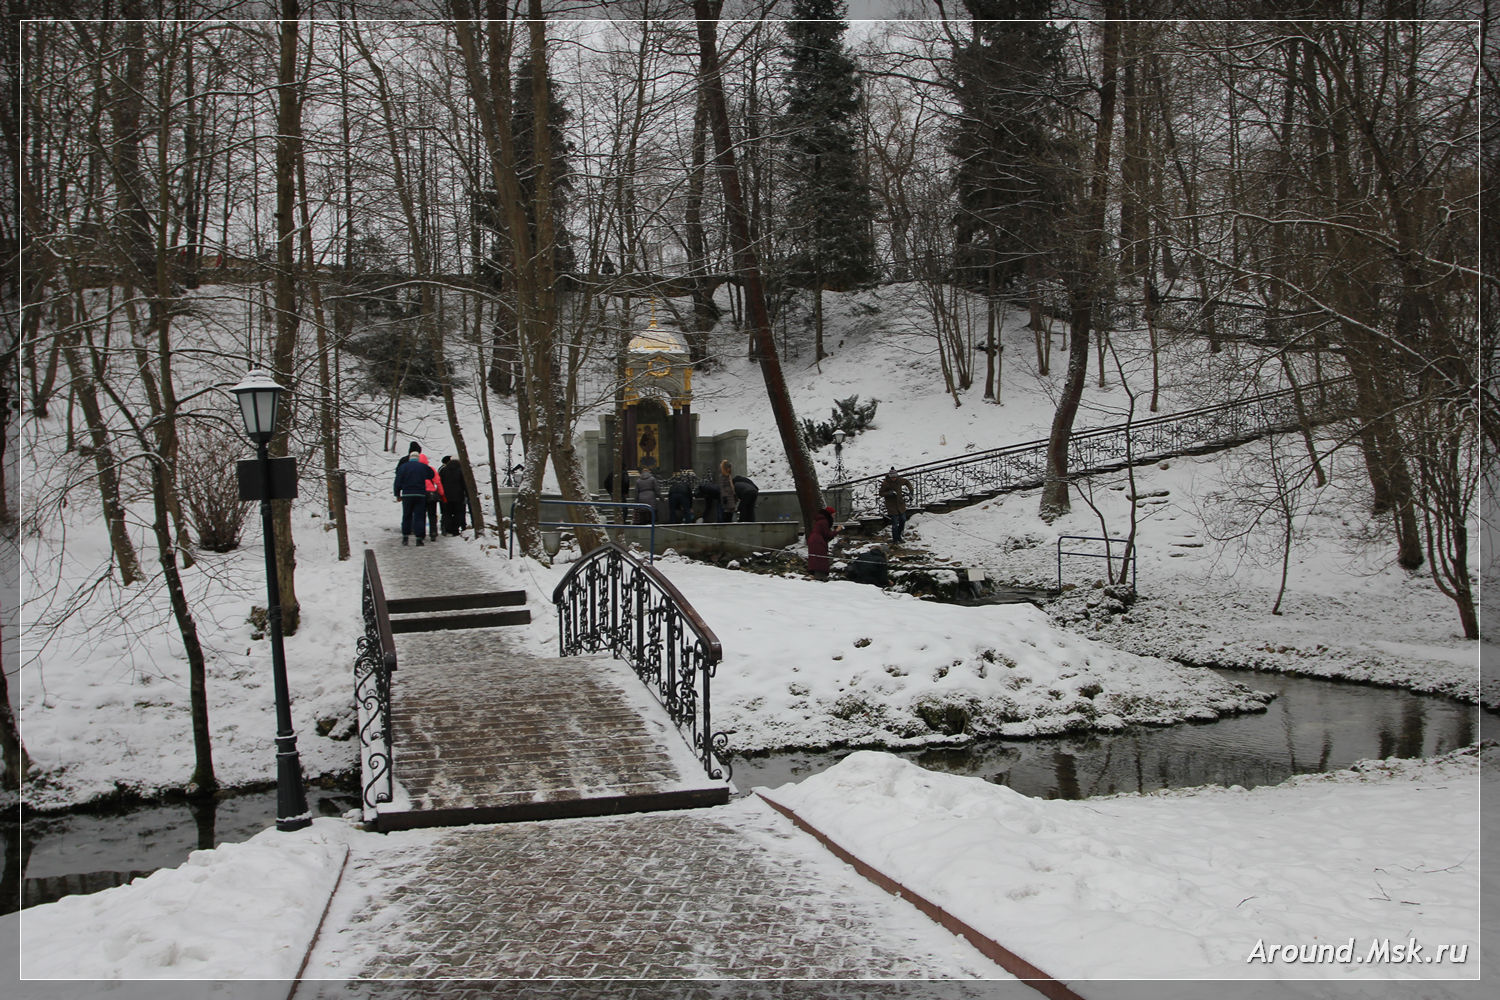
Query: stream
point(1312, 725)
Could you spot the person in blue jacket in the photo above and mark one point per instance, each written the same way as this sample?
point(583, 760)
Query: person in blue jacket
point(411, 489)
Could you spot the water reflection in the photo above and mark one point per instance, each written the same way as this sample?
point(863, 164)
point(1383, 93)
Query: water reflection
point(1312, 725)
point(57, 855)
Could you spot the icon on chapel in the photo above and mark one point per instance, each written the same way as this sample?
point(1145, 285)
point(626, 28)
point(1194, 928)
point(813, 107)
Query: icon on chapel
point(646, 443)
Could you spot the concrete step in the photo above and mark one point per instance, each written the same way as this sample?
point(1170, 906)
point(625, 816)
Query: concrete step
point(440, 622)
point(456, 602)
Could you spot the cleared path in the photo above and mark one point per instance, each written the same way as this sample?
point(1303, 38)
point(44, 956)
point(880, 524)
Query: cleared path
point(487, 732)
point(734, 892)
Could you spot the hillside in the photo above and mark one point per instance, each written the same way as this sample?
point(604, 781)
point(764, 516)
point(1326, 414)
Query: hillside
point(103, 697)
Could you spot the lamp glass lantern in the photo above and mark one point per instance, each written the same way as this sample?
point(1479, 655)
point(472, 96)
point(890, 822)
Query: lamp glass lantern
point(260, 397)
point(510, 470)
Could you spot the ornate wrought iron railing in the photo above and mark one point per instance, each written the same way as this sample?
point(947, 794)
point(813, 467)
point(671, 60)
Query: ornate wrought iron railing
point(1099, 449)
point(373, 664)
point(612, 600)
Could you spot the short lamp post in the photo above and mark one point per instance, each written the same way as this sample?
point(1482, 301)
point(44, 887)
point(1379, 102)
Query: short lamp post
point(838, 456)
point(259, 395)
point(510, 470)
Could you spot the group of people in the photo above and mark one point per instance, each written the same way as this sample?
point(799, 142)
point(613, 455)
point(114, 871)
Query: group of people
point(895, 491)
point(726, 497)
point(420, 489)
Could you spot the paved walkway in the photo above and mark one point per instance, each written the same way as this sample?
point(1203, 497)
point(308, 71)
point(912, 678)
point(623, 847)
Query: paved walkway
point(732, 892)
point(486, 731)
point(729, 892)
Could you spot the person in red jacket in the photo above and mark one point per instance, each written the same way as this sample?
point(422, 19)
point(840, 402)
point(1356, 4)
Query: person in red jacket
point(434, 494)
point(822, 533)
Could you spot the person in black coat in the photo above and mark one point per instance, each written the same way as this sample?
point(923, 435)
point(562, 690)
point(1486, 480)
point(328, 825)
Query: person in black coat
point(746, 492)
point(708, 489)
point(456, 504)
point(411, 489)
point(681, 489)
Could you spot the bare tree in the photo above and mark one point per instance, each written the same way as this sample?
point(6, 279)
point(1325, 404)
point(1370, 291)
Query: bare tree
point(1082, 276)
point(804, 476)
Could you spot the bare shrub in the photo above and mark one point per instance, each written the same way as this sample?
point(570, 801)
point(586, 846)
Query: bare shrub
point(210, 487)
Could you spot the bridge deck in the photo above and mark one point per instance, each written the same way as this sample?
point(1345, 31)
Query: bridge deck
point(486, 732)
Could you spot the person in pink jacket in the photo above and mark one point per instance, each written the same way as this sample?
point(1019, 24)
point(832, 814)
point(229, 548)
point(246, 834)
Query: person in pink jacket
point(434, 494)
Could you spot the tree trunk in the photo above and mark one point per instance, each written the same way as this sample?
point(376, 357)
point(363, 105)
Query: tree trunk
point(705, 312)
point(818, 353)
point(203, 782)
point(540, 377)
point(991, 337)
point(546, 428)
point(104, 462)
point(805, 477)
point(17, 761)
point(327, 416)
point(163, 292)
point(288, 147)
point(1055, 501)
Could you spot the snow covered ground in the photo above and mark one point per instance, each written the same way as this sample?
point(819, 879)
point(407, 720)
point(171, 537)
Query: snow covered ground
point(1207, 883)
point(1186, 884)
point(103, 695)
point(818, 664)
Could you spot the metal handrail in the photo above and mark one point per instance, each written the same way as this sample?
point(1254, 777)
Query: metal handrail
point(611, 599)
point(374, 662)
point(1023, 465)
point(511, 548)
point(1108, 553)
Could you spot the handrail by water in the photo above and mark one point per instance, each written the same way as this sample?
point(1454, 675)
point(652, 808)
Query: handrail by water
point(651, 551)
point(1108, 553)
point(611, 599)
point(374, 662)
point(1097, 449)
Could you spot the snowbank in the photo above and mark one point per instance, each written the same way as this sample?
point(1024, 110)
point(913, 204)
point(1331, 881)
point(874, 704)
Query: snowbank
point(1198, 883)
point(240, 911)
point(811, 664)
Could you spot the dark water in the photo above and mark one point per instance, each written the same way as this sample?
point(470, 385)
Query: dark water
point(88, 851)
point(1312, 725)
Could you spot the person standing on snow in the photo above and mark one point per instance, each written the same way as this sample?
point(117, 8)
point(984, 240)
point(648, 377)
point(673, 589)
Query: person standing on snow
point(451, 476)
point(681, 489)
point(412, 476)
point(727, 500)
point(818, 538)
point(895, 491)
point(645, 492)
point(434, 494)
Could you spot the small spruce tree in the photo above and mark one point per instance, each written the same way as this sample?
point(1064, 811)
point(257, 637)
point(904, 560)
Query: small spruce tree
point(830, 212)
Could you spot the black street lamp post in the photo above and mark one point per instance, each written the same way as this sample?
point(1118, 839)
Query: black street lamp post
point(259, 395)
point(510, 470)
point(838, 456)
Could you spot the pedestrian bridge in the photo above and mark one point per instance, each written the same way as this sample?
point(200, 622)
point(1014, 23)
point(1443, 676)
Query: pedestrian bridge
point(460, 723)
